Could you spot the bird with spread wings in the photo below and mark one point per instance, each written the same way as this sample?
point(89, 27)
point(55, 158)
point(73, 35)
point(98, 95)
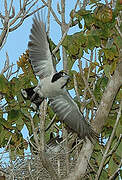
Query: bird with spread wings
point(52, 84)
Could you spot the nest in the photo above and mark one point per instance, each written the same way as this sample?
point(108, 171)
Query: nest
point(31, 166)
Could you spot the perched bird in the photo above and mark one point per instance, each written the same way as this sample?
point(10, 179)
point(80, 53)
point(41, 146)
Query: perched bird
point(54, 144)
point(52, 84)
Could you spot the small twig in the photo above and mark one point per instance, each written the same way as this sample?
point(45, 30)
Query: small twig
point(108, 144)
point(86, 84)
point(60, 42)
point(27, 11)
point(58, 8)
point(10, 7)
point(51, 122)
point(20, 4)
point(42, 115)
point(6, 66)
point(76, 87)
point(53, 13)
point(116, 173)
point(66, 30)
point(30, 14)
point(32, 144)
point(6, 147)
point(115, 146)
point(117, 28)
point(48, 17)
point(6, 9)
point(4, 33)
point(85, 2)
point(106, 1)
point(90, 61)
point(33, 128)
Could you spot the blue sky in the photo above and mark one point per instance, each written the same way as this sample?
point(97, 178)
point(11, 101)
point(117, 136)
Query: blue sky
point(17, 40)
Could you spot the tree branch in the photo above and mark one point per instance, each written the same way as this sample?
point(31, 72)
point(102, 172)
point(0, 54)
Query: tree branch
point(101, 115)
point(45, 160)
point(86, 84)
point(105, 155)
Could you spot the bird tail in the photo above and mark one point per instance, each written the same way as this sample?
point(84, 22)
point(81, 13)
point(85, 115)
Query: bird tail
point(30, 94)
point(87, 131)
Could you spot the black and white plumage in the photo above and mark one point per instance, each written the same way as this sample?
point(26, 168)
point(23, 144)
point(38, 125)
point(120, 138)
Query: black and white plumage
point(52, 84)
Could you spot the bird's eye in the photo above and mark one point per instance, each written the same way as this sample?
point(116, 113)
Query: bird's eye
point(63, 73)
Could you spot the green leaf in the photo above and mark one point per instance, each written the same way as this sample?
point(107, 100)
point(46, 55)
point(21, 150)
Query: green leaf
point(118, 41)
point(119, 95)
point(104, 175)
point(13, 115)
point(107, 68)
point(36, 120)
point(82, 12)
point(6, 124)
point(119, 129)
point(4, 84)
point(88, 20)
point(57, 54)
point(99, 158)
point(112, 167)
point(19, 123)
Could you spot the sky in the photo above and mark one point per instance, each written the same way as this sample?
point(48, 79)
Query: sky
point(17, 41)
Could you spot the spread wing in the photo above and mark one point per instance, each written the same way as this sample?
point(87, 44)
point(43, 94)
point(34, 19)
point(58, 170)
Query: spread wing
point(39, 52)
point(69, 113)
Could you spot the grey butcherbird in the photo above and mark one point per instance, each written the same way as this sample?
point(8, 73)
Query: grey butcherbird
point(52, 84)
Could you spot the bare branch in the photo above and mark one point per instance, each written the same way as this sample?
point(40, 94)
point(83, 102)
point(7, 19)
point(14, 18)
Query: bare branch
point(30, 14)
point(85, 2)
point(53, 13)
point(42, 115)
point(117, 28)
point(83, 159)
point(105, 155)
point(48, 17)
point(10, 7)
point(16, 26)
point(6, 147)
point(76, 88)
point(106, 1)
point(110, 92)
point(4, 33)
point(60, 42)
point(13, 13)
point(58, 8)
point(66, 30)
point(101, 115)
point(34, 129)
point(6, 66)
point(6, 9)
point(27, 11)
point(20, 4)
point(115, 146)
point(116, 173)
point(86, 84)
point(51, 122)
point(45, 161)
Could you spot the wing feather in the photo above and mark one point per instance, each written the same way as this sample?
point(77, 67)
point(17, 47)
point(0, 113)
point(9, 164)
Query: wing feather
point(39, 52)
point(69, 113)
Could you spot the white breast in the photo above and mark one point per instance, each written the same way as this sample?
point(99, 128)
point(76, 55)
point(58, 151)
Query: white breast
point(49, 89)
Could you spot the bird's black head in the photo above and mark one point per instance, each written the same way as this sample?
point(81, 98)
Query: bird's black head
point(58, 76)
